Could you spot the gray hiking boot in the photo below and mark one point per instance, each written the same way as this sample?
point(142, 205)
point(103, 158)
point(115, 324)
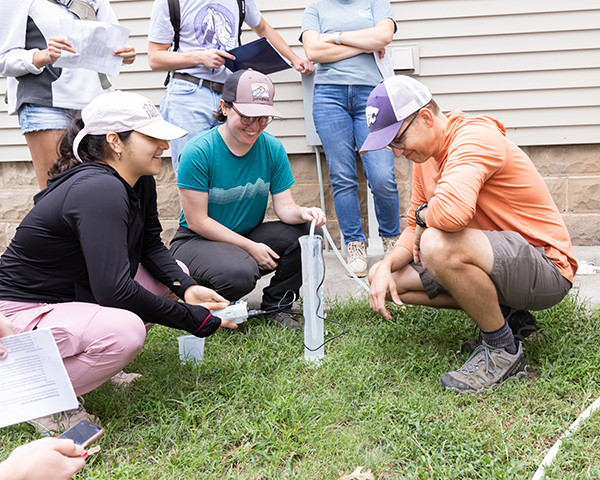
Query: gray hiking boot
point(286, 319)
point(486, 367)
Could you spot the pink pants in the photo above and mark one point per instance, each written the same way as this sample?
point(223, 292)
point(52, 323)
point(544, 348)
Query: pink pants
point(95, 342)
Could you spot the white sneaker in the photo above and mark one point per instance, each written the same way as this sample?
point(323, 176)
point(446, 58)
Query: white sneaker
point(123, 379)
point(388, 244)
point(59, 422)
point(357, 258)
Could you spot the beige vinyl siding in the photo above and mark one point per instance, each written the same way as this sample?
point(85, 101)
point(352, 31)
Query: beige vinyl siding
point(534, 65)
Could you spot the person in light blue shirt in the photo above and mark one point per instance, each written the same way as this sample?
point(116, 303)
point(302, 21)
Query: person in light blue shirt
point(343, 36)
point(225, 177)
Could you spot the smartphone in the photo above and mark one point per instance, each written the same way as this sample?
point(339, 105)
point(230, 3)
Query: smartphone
point(83, 433)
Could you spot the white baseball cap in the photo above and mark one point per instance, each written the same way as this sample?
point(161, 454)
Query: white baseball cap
point(121, 112)
point(389, 103)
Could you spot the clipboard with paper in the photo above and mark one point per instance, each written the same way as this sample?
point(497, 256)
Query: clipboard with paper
point(258, 55)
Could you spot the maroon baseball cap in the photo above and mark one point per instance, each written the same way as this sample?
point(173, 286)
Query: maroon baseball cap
point(251, 92)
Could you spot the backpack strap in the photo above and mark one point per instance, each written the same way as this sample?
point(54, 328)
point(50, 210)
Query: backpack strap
point(242, 10)
point(175, 17)
point(84, 11)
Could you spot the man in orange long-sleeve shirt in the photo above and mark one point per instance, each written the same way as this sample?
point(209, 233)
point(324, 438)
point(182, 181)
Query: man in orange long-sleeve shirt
point(483, 235)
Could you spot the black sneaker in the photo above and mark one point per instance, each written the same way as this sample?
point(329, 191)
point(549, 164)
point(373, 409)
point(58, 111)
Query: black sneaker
point(521, 322)
point(286, 319)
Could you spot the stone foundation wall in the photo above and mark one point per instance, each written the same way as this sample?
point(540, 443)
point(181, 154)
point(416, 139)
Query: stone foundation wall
point(572, 174)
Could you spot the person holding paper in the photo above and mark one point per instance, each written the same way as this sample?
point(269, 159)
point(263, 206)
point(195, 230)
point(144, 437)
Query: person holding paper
point(225, 177)
point(44, 96)
point(48, 458)
point(88, 261)
point(208, 30)
point(342, 37)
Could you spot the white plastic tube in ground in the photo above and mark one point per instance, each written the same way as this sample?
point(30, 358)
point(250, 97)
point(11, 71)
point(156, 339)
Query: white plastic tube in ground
point(313, 271)
point(549, 458)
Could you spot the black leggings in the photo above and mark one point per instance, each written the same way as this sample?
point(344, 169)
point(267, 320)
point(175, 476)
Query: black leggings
point(233, 273)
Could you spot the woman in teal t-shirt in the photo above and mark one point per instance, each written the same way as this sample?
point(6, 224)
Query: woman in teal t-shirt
point(225, 176)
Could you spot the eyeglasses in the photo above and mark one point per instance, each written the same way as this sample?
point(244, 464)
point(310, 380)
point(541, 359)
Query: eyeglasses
point(247, 121)
point(396, 143)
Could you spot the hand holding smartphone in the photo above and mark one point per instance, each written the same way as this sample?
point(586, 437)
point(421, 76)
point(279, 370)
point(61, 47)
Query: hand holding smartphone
point(83, 433)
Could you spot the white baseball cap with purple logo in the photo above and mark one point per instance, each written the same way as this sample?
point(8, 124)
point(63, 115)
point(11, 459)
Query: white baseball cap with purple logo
point(389, 103)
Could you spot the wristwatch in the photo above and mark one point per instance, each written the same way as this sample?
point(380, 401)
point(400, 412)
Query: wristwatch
point(336, 38)
point(420, 222)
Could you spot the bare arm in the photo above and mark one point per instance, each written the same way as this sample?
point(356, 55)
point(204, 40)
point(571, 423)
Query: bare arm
point(319, 51)
point(291, 213)
point(369, 39)
point(195, 208)
point(161, 59)
point(264, 29)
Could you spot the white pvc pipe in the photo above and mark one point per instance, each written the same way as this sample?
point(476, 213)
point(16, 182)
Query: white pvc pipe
point(549, 458)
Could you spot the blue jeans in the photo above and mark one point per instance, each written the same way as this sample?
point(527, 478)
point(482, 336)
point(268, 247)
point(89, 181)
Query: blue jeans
point(190, 107)
point(339, 115)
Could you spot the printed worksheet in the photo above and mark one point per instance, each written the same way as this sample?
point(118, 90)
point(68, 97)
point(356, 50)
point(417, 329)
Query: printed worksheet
point(385, 64)
point(33, 378)
point(94, 43)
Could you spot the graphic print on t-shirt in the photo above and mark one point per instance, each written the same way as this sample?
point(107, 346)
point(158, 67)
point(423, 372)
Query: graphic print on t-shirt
point(215, 27)
point(367, 13)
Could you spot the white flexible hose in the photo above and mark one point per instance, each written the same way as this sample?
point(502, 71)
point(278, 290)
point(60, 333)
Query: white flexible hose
point(549, 458)
point(360, 282)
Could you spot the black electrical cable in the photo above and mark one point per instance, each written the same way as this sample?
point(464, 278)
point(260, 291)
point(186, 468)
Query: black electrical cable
point(324, 318)
point(258, 313)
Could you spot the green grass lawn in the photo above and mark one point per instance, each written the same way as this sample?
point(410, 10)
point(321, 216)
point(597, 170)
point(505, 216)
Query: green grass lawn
point(252, 410)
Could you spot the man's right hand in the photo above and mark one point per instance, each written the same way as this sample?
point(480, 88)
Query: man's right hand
point(213, 58)
point(382, 282)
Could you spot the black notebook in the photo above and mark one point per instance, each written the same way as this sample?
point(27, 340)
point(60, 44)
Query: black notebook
point(258, 55)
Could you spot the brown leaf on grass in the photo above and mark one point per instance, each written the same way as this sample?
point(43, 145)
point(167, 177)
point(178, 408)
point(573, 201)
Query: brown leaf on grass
point(356, 474)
